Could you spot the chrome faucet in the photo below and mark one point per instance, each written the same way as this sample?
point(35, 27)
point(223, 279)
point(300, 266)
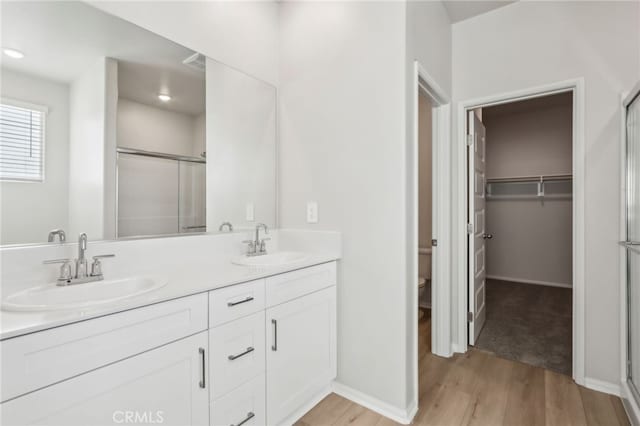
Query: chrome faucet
point(81, 275)
point(60, 233)
point(228, 225)
point(81, 261)
point(257, 246)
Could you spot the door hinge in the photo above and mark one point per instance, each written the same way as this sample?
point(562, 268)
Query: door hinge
point(434, 243)
point(469, 228)
point(469, 316)
point(469, 140)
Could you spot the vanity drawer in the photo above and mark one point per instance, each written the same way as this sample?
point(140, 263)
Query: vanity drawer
point(284, 287)
point(40, 359)
point(237, 353)
point(244, 403)
point(236, 301)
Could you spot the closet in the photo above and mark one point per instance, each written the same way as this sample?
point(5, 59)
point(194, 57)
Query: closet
point(528, 190)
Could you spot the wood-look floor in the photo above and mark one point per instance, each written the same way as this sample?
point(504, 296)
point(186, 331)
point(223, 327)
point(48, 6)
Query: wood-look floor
point(478, 388)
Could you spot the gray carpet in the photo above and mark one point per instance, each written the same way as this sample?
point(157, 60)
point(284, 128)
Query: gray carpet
point(529, 323)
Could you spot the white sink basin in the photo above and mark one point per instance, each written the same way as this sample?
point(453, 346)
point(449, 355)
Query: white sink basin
point(53, 297)
point(280, 258)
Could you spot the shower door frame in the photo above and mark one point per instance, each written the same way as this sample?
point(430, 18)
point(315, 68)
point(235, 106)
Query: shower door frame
point(630, 396)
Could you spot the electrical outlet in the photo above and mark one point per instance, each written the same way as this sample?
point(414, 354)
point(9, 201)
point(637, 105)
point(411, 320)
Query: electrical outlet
point(312, 212)
point(250, 212)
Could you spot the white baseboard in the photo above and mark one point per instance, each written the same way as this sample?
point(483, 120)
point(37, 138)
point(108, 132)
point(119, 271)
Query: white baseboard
point(298, 414)
point(630, 405)
point(404, 416)
point(527, 281)
point(602, 386)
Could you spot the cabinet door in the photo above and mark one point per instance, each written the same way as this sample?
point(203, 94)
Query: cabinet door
point(163, 386)
point(301, 352)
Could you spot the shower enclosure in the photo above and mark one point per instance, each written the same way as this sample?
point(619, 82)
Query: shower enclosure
point(632, 240)
point(159, 193)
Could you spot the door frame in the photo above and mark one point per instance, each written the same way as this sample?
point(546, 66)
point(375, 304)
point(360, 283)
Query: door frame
point(441, 202)
point(575, 86)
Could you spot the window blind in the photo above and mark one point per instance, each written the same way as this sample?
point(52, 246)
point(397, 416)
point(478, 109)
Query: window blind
point(21, 141)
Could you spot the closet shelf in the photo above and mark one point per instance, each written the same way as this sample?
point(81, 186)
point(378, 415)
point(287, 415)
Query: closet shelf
point(538, 178)
point(551, 187)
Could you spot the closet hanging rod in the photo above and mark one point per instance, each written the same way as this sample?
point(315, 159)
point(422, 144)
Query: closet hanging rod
point(537, 178)
point(132, 151)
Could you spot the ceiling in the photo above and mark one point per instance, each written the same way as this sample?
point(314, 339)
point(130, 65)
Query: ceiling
point(461, 10)
point(62, 39)
point(142, 83)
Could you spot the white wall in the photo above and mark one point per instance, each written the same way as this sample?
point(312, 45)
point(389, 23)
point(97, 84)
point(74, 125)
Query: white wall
point(341, 106)
point(200, 136)
point(31, 210)
point(344, 105)
point(428, 40)
point(527, 44)
point(110, 144)
point(531, 139)
point(532, 238)
point(88, 102)
point(241, 34)
point(241, 148)
point(150, 128)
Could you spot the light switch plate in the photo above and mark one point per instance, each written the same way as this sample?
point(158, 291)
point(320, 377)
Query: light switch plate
point(312, 212)
point(250, 212)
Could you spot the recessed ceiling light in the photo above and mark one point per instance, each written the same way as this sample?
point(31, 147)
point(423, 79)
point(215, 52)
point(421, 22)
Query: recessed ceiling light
point(164, 98)
point(12, 53)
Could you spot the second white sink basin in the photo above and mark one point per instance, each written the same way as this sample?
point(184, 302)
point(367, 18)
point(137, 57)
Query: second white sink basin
point(280, 258)
point(53, 297)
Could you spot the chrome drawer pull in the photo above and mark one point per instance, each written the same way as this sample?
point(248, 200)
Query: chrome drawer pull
point(248, 299)
point(250, 415)
point(248, 351)
point(202, 355)
point(274, 347)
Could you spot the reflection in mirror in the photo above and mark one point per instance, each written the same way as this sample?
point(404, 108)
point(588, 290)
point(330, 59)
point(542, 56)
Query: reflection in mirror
point(241, 172)
point(105, 128)
point(161, 149)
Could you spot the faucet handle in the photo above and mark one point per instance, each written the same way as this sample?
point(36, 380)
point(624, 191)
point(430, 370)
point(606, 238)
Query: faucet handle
point(50, 262)
point(251, 247)
point(102, 256)
point(65, 268)
point(96, 266)
point(263, 245)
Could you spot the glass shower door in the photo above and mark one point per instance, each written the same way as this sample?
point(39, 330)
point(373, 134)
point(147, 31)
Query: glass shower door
point(192, 214)
point(633, 244)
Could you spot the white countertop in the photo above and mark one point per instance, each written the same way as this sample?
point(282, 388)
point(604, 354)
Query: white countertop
point(182, 281)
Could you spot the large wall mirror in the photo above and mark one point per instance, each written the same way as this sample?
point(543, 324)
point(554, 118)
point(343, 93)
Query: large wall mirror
point(109, 129)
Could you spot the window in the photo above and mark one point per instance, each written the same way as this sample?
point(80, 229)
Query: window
point(21, 141)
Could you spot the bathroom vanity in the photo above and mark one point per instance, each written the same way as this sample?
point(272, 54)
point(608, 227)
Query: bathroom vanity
point(143, 138)
point(256, 352)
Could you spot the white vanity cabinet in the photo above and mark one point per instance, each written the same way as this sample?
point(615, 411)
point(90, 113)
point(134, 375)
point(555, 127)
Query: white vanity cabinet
point(256, 353)
point(273, 346)
point(161, 386)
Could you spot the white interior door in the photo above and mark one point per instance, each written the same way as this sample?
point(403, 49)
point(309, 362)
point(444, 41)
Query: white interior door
point(476, 234)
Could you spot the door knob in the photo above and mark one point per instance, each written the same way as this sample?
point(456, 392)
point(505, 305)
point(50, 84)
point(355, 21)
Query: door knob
point(487, 236)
